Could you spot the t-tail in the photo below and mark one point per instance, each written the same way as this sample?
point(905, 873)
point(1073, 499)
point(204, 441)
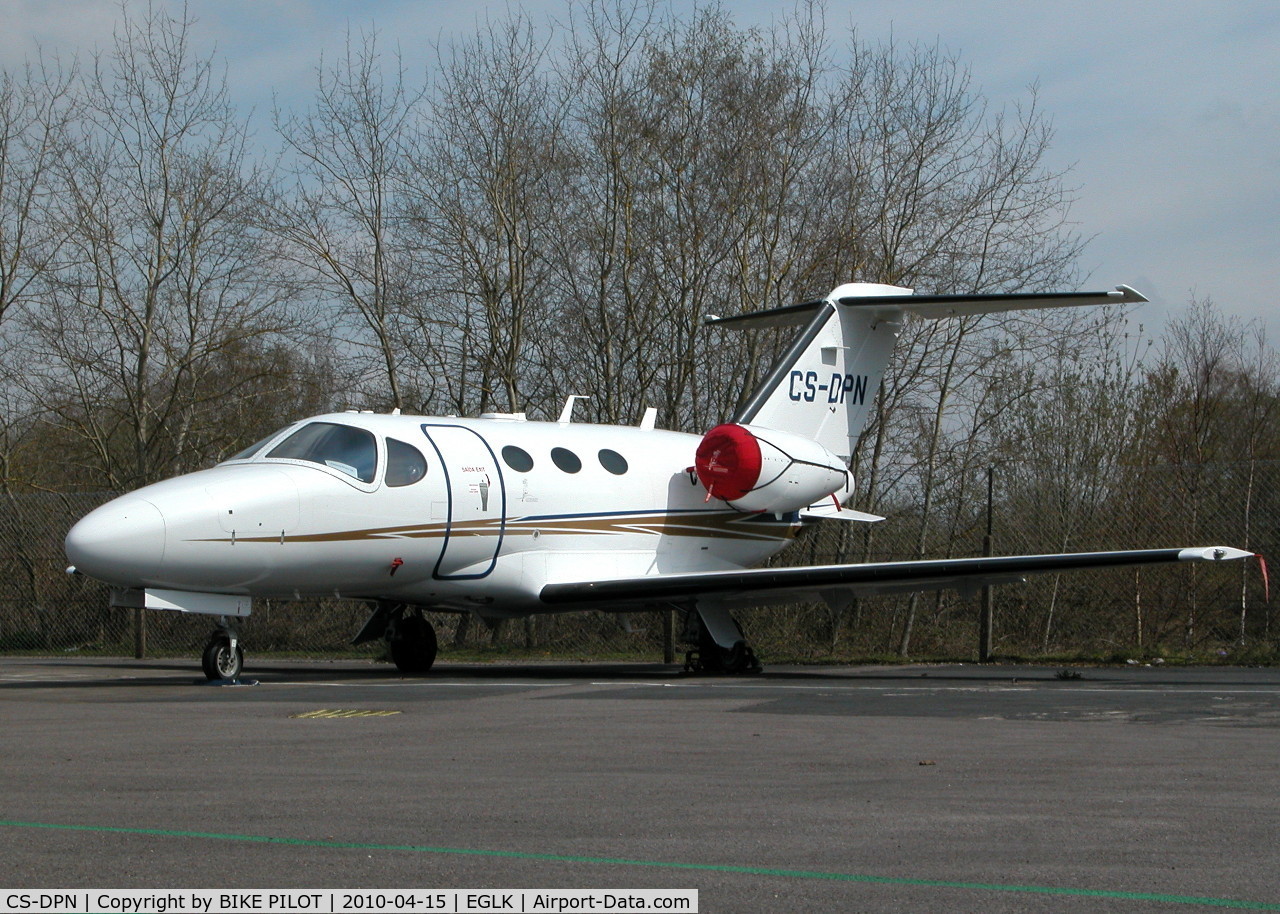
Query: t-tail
point(790, 442)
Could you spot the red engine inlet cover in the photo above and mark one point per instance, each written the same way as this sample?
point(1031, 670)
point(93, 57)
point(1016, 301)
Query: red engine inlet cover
point(728, 462)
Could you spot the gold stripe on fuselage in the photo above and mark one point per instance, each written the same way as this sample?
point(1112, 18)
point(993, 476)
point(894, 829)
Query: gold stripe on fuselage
point(712, 524)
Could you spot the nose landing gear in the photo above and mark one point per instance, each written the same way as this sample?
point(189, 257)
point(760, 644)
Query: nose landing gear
point(222, 658)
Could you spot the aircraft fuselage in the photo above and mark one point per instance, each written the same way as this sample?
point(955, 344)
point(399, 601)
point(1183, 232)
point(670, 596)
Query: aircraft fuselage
point(422, 510)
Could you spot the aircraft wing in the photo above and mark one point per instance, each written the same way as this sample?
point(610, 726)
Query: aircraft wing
point(779, 585)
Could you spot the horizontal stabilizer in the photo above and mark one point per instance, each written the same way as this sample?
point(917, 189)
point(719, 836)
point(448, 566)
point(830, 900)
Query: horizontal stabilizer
point(929, 306)
point(831, 512)
point(939, 306)
point(780, 585)
point(787, 316)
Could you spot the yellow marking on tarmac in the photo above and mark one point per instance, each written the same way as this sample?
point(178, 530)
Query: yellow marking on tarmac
point(339, 712)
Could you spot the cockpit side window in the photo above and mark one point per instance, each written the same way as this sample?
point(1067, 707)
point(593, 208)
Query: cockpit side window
point(341, 447)
point(405, 463)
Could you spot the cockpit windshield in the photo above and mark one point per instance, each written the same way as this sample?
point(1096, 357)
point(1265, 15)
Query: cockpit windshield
point(341, 447)
point(253, 448)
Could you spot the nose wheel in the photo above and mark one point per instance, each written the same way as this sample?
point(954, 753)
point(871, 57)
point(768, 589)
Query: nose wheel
point(222, 658)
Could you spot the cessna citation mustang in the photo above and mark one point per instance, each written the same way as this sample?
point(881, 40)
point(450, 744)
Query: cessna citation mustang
point(502, 517)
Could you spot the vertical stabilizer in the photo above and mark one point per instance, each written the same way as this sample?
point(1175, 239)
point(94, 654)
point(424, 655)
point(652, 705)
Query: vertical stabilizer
point(824, 385)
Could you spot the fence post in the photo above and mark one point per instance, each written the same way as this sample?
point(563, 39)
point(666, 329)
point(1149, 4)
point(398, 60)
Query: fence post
point(988, 597)
point(139, 634)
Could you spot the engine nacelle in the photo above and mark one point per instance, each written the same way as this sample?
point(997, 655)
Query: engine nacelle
point(762, 469)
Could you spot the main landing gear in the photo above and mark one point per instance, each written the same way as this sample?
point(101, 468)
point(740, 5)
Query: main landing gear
point(413, 643)
point(410, 637)
point(721, 646)
point(222, 658)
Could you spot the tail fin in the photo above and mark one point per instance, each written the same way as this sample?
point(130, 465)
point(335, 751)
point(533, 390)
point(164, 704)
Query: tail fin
point(824, 385)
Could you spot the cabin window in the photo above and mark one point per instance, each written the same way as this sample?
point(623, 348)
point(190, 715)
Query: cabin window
point(348, 450)
point(517, 458)
point(565, 460)
point(405, 463)
point(612, 461)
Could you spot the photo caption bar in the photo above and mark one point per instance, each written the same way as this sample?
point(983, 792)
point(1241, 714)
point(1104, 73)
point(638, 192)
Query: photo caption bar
point(344, 901)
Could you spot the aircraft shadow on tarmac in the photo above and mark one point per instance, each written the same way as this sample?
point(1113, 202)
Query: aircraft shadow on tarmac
point(117, 672)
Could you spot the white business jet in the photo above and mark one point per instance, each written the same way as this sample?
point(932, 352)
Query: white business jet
point(502, 517)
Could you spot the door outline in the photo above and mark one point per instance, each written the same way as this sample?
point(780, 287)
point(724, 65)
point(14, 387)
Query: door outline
point(448, 486)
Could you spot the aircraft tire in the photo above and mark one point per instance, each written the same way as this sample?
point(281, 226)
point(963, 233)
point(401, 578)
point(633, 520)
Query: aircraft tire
point(415, 645)
point(218, 660)
point(731, 661)
point(712, 658)
point(740, 659)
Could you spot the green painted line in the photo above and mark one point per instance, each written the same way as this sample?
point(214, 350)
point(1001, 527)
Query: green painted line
point(669, 865)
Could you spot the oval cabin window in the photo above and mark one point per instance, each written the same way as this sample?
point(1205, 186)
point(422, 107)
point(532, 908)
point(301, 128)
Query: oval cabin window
point(612, 461)
point(566, 460)
point(517, 458)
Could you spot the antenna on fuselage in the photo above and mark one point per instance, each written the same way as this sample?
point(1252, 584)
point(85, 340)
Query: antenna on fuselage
point(566, 414)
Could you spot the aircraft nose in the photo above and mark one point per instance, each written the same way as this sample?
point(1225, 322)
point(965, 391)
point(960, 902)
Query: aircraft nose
point(121, 542)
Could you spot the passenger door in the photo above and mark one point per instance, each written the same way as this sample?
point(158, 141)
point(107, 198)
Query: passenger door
point(475, 513)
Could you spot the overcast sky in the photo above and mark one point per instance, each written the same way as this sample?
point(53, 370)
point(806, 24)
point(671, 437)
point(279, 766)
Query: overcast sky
point(1167, 112)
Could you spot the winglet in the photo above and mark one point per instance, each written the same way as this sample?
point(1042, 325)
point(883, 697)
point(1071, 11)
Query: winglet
point(1130, 294)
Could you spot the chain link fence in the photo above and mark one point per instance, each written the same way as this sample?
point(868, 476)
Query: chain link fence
point(1171, 611)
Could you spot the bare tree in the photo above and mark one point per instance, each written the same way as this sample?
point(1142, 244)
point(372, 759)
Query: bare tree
point(1063, 442)
point(162, 267)
point(35, 107)
point(1259, 403)
point(606, 310)
point(343, 216)
point(1210, 398)
point(935, 193)
point(488, 176)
